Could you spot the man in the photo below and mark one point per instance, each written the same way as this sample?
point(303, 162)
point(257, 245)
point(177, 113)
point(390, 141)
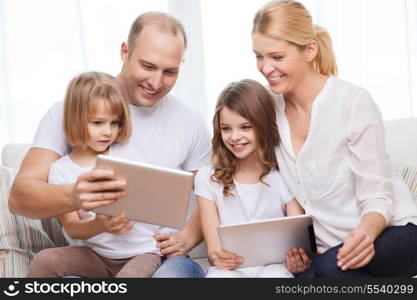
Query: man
point(164, 132)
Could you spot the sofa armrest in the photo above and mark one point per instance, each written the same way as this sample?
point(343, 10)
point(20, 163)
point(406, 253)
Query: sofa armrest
point(20, 237)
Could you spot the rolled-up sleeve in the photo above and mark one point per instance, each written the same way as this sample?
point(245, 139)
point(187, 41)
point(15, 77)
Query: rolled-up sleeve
point(374, 189)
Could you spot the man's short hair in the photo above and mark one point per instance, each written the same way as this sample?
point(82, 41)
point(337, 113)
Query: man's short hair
point(165, 22)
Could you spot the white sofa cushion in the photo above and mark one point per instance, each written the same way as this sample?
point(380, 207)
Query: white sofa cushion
point(401, 140)
point(13, 154)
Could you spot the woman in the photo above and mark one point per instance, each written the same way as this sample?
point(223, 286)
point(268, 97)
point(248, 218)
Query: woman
point(332, 154)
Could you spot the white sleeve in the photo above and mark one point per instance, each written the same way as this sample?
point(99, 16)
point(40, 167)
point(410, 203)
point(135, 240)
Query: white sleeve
point(287, 196)
point(203, 185)
point(56, 174)
point(374, 189)
point(50, 133)
point(200, 149)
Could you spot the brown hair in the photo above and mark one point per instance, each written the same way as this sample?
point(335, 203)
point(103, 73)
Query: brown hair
point(290, 21)
point(83, 93)
point(253, 102)
point(164, 21)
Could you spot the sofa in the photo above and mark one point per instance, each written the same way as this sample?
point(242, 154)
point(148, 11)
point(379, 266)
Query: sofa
point(21, 238)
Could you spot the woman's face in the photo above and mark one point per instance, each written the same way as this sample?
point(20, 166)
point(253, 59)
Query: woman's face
point(282, 63)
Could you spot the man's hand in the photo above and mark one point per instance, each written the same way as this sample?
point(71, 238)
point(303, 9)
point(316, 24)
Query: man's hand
point(96, 189)
point(224, 260)
point(357, 251)
point(172, 244)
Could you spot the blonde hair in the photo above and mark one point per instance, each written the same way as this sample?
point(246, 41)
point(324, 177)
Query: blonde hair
point(252, 101)
point(290, 21)
point(83, 94)
point(165, 22)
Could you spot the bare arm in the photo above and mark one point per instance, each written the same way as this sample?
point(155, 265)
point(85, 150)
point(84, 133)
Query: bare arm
point(209, 222)
point(181, 243)
point(33, 197)
point(294, 208)
point(217, 256)
point(296, 259)
point(82, 230)
point(192, 230)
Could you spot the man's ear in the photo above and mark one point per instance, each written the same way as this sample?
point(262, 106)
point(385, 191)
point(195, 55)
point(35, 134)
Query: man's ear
point(311, 50)
point(124, 52)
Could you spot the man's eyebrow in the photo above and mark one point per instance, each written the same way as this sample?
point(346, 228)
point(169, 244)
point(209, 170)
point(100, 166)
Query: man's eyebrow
point(146, 62)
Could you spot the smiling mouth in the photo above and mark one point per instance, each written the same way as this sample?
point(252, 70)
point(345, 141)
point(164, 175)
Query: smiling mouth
point(238, 147)
point(148, 92)
point(274, 78)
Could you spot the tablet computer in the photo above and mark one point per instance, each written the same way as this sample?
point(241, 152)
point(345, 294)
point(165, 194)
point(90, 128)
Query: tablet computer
point(155, 195)
point(267, 241)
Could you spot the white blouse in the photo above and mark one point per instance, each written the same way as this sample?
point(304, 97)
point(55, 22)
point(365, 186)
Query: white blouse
point(341, 172)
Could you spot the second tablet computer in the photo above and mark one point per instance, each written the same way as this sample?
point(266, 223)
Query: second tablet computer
point(155, 195)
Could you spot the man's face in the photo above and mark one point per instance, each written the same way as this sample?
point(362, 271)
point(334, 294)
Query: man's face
point(151, 69)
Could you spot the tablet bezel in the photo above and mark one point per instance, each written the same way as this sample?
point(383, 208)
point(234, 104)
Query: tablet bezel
point(264, 242)
point(155, 195)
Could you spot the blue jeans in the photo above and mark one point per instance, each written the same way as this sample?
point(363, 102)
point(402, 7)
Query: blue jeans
point(395, 256)
point(179, 267)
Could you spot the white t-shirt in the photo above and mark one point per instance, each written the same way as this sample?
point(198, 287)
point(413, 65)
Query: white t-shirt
point(341, 172)
point(137, 240)
point(168, 134)
point(250, 202)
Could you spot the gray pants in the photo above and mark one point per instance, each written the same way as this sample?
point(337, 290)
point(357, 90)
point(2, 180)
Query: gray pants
point(84, 262)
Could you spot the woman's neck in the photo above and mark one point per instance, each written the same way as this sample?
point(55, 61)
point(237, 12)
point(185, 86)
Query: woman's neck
point(84, 156)
point(303, 96)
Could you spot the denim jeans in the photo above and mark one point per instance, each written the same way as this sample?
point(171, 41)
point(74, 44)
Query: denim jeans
point(395, 256)
point(179, 267)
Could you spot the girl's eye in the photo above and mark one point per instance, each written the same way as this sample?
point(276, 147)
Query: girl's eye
point(278, 57)
point(224, 128)
point(116, 122)
point(97, 122)
point(247, 127)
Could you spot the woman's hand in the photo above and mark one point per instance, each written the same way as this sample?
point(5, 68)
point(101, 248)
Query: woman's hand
point(297, 261)
point(357, 250)
point(224, 260)
point(116, 225)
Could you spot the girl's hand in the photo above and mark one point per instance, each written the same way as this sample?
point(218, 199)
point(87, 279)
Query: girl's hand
point(297, 261)
point(116, 225)
point(357, 250)
point(224, 260)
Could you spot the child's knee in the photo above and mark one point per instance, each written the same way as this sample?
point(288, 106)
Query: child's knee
point(46, 256)
point(42, 262)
